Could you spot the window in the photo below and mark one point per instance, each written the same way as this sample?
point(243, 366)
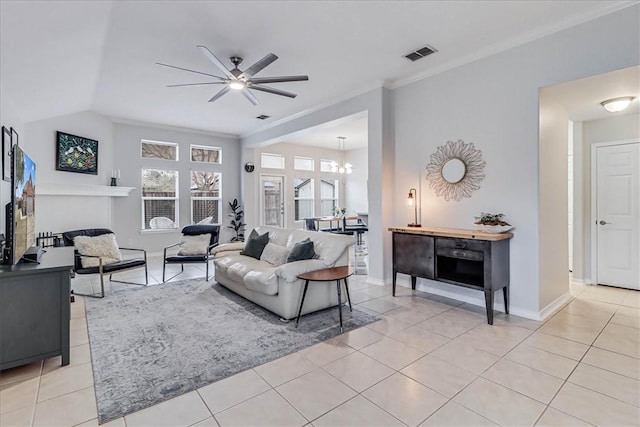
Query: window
point(325, 165)
point(204, 154)
point(205, 196)
point(272, 161)
point(159, 150)
point(328, 197)
point(159, 199)
point(303, 198)
point(303, 163)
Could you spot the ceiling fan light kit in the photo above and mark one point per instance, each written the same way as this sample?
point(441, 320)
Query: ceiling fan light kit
point(239, 80)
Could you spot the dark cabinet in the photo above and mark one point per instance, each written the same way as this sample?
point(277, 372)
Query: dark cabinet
point(465, 258)
point(34, 309)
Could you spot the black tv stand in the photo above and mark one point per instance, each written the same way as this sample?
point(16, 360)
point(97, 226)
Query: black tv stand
point(35, 310)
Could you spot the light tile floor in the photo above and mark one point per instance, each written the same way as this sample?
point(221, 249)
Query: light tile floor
point(430, 362)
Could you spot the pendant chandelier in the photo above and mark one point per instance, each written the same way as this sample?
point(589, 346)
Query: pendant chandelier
point(341, 167)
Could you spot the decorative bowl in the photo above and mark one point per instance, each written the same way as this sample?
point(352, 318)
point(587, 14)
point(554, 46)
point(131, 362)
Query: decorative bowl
point(494, 229)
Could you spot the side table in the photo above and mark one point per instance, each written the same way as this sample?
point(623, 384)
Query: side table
point(334, 273)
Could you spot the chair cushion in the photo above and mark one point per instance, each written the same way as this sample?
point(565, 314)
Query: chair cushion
point(255, 244)
point(103, 246)
point(196, 229)
point(112, 268)
point(301, 251)
point(274, 254)
point(194, 245)
point(69, 236)
point(183, 259)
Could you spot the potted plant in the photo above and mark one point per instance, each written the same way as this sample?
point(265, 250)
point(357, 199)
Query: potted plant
point(492, 223)
point(236, 221)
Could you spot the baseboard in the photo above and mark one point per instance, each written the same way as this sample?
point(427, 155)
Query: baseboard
point(375, 281)
point(555, 306)
point(579, 281)
point(424, 285)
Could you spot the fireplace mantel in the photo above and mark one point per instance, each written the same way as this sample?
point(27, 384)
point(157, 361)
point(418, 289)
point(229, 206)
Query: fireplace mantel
point(83, 190)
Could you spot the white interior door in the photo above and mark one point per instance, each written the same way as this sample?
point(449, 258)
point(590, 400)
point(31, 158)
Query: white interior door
point(272, 200)
point(618, 215)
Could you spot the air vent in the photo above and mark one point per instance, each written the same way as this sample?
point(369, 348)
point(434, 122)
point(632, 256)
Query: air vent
point(420, 53)
point(262, 117)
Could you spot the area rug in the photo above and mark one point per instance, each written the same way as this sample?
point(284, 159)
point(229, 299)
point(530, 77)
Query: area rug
point(155, 343)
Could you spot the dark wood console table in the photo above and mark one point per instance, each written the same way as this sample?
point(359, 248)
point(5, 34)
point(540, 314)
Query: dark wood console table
point(469, 258)
point(34, 309)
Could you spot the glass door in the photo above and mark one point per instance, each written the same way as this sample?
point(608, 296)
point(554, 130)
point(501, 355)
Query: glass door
point(272, 200)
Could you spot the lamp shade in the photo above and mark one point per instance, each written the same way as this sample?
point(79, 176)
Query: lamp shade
point(617, 104)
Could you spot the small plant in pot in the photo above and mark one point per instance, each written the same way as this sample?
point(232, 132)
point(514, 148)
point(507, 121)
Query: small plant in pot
point(492, 223)
point(236, 221)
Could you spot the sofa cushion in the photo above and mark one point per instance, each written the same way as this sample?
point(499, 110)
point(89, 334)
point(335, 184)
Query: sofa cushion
point(194, 245)
point(274, 254)
point(277, 235)
point(243, 265)
point(262, 280)
point(103, 246)
point(328, 246)
point(224, 262)
point(255, 244)
point(301, 250)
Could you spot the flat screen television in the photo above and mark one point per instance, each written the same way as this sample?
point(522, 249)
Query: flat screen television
point(23, 200)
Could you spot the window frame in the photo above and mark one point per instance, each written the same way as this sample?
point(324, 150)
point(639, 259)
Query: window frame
point(328, 162)
point(219, 198)
point(336, 194)
point(312, 198)
point(153, 142)
point(313, 163)
point(176, 200)
point(206, 147)
point(273, 155)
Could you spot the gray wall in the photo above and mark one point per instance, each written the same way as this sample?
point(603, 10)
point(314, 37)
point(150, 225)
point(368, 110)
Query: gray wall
point(127, 211)
point(494, 103)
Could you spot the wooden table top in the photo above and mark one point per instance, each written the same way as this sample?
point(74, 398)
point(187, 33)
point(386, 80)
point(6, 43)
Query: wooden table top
point(452, 232)
point(333, 273)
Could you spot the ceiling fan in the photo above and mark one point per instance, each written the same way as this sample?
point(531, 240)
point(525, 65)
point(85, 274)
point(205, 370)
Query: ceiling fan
point(236, 79)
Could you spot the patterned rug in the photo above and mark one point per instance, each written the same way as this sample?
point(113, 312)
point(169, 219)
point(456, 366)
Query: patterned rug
point(152, 344)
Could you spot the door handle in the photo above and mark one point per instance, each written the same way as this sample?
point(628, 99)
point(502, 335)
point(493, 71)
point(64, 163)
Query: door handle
point(603, 222)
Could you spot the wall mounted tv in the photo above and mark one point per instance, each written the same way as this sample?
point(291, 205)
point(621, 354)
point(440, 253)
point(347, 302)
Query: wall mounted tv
point(21, 213)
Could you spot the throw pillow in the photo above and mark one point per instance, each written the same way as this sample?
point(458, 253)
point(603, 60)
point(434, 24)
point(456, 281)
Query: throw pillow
point(103, 246)
point(255, 244)
point(194, 245)
point(301, 251)
point(274, 254)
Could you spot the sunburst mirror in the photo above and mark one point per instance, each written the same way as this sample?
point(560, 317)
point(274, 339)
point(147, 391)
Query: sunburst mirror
point(455, 170)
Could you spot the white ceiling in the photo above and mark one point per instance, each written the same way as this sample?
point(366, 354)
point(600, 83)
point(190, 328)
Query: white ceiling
point(69, 56)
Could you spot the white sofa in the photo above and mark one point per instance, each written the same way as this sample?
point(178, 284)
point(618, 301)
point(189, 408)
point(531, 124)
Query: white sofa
point(277, 288)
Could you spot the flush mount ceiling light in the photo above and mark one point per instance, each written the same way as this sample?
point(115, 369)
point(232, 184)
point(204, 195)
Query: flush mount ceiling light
point(341, 168)
point(617, 104)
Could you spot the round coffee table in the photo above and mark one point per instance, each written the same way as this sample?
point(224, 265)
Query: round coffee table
point(325, 275)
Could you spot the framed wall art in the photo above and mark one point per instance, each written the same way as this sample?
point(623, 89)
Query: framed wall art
point(76, 154)
point(6, 154)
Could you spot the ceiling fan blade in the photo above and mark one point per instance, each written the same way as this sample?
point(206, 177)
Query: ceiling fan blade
point(198, 84)
point(219, 94)
point(258, 66)
point(274, 91)
point(191, 71)
point(252, 99)
point(280, 79)
point(216, 61)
